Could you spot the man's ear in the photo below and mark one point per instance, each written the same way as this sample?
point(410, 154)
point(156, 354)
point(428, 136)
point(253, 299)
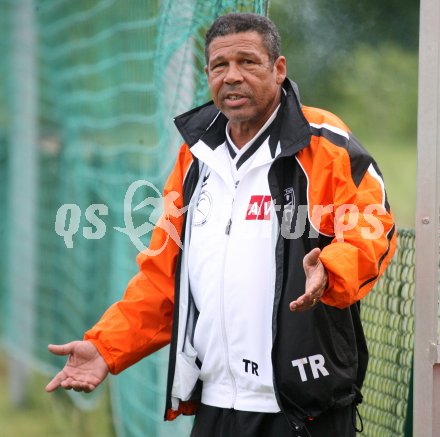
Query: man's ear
point(281, 69)
point(206, 71)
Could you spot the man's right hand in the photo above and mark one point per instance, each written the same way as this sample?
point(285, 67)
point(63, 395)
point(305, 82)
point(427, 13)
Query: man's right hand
point(85, 368)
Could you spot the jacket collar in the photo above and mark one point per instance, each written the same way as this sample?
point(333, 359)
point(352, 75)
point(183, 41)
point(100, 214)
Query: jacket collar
point(208, 124)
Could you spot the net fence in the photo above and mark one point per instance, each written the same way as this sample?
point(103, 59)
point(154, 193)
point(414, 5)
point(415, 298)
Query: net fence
point(110, 75)
point(4, 122)
point(387, 315)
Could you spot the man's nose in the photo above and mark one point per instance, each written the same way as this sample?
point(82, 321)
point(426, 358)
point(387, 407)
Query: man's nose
point(233, 74)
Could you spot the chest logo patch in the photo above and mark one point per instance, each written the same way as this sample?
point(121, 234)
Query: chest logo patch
point(289, 196)
point(202, 209)
point(259, 208)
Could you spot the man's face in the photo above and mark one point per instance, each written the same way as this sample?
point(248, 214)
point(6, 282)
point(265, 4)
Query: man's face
point(244, 84)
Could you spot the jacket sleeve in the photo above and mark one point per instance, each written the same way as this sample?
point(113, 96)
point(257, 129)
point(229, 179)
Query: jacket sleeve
point(140, 323)
point(359, 221)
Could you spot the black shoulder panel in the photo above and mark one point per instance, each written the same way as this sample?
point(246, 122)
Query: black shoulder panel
point(333, 137)
point(360, 159)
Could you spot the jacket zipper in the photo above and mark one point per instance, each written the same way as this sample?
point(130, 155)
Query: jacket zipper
point(222, 315)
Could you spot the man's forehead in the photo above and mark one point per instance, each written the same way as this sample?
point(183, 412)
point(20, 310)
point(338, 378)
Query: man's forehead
point(242, 42)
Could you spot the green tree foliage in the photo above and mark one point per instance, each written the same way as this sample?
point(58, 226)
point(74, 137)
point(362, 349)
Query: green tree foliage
point(379, 21)
point(375, 92)
point(319, 35)
point(382, 84)
point(359, 60)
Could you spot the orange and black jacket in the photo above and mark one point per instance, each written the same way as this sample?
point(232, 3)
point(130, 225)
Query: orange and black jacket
point(347, 216)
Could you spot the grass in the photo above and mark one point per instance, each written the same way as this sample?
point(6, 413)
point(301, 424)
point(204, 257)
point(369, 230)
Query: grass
point(50, 415)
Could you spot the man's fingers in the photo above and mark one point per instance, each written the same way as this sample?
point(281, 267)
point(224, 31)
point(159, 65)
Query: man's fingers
point(304, 302)
point(85, 368)
point(82, 386)
point(300, 307)
point(72, 383)
point(312, 257)
point(61, 349)
point(67, 383)
point(316, 281)
point(55, 383)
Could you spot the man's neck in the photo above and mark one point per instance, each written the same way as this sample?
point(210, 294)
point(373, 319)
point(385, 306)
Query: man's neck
point(241, 135)
point(242, 132)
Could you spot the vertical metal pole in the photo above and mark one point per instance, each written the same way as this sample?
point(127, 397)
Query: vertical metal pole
point(22, 196)
point(426, 355)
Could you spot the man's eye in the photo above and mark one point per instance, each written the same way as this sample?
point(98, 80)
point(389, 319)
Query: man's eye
point(219, 65)
point(248, 61)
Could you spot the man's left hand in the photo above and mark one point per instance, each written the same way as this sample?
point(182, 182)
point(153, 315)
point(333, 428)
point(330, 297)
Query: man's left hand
point(316, 282)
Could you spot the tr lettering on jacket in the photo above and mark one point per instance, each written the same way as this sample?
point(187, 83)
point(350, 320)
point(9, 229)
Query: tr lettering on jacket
point(254, 366)
point(316, 363)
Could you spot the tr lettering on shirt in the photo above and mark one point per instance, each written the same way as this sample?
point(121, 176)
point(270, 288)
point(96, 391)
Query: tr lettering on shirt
point(316, 365)
point(259, 208)
point(253, 365)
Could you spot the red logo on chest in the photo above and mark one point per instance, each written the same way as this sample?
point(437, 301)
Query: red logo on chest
point(259, 208)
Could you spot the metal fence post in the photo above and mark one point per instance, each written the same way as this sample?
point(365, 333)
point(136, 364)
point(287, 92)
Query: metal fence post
point(427, 352)
point(22, 196)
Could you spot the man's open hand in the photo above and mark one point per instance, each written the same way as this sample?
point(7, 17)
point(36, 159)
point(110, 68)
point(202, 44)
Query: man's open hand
point(85, 368)
point(316, 282)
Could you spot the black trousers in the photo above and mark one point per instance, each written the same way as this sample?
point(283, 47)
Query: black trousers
point(222, 422)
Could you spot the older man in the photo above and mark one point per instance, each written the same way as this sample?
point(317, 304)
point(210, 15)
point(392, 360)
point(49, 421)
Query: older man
point(288, 228)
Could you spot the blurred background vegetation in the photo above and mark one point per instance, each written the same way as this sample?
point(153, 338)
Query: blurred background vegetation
point(359, 60)
point(356, 59)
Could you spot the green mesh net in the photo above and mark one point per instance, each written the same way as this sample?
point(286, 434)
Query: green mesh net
point(111, 75)
point(388, 318)
point(4, 123)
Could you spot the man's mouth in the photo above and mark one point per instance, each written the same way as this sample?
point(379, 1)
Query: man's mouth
point(234, 100)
